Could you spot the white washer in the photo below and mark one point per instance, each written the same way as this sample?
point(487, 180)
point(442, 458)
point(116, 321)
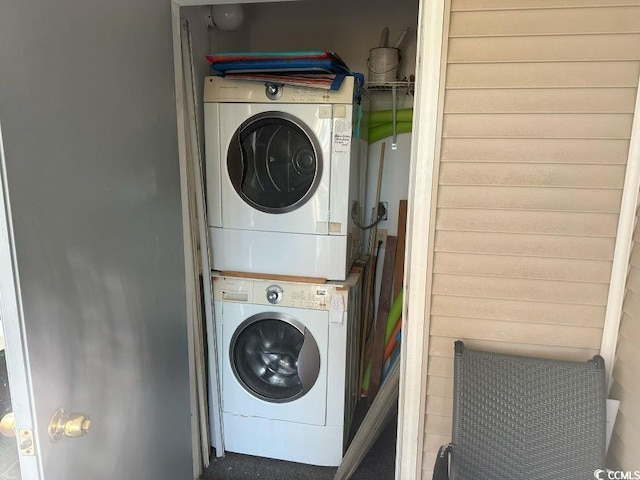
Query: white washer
point(288, 359)
point(285, 174)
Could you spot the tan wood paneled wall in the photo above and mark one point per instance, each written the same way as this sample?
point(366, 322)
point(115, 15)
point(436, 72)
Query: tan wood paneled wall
point(538, 106)
point(624, 450)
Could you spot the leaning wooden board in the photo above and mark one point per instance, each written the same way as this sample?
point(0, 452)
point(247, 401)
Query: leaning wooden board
point(369, 283)
point(398, 276)
point(384, 304)
point(377, 418)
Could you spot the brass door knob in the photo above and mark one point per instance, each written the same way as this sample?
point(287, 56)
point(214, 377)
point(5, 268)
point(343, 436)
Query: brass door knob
point(8, 425)
point(70, 425)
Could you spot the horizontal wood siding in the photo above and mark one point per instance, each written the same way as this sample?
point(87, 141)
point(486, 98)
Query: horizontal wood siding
point(538, 107)
point(624, 450)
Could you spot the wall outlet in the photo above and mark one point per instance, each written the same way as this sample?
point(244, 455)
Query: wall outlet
point(383, 211)
point(385, 205)
point(382, 237)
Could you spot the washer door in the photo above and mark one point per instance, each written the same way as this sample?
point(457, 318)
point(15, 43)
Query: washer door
point(274, 162)
point(274, 357)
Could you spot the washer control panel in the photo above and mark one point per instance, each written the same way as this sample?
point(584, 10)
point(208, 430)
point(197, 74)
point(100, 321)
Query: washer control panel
point(317, 297)
point(283, 294)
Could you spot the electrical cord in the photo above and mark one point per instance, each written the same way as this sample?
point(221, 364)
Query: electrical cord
point(382, 212)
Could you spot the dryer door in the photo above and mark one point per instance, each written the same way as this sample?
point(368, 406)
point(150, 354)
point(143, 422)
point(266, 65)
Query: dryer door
point(274, 162)
point(274, 357)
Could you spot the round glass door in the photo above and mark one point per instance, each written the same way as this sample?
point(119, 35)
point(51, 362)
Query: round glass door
point(274, 357)
point(274, 162)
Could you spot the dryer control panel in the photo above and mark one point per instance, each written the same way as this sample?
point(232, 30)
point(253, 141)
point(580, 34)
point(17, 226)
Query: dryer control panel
point(223, 90)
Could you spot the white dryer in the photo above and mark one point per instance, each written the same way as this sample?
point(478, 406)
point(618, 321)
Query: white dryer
point(285, 170)
point(288, 360)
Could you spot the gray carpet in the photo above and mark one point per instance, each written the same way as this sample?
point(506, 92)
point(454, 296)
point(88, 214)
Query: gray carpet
point(379, 464)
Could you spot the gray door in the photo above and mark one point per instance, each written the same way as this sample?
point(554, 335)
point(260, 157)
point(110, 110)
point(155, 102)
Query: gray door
point(90, 151)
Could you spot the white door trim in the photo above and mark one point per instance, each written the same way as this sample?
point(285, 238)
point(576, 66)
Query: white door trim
point(190, 267)
point(12, 318)
point(623, 246)
point(424, 148)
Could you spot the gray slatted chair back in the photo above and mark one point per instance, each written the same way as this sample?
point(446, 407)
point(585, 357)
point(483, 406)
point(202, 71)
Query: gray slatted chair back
point(523, 418)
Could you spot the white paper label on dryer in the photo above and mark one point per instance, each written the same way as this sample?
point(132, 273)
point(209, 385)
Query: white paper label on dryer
point(342, 136)
point(335, 227)
point(336, 309)
point(324, 111)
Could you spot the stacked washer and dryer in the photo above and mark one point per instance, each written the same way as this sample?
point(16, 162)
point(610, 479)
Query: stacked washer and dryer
point(285, 171)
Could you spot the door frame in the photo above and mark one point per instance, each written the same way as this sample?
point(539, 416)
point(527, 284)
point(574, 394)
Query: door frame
point(190, 268)
point(416, 305)
point(623, 248)
point(414, 348)
point(12, 318)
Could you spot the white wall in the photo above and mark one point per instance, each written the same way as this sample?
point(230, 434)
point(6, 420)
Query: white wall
point(346, 27)
point(237, 40)
point(395, 178)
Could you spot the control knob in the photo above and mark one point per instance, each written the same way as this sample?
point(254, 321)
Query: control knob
point(274, 294)
point(273, 91)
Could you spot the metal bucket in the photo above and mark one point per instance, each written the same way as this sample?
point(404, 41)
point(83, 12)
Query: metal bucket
point(383, 64)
